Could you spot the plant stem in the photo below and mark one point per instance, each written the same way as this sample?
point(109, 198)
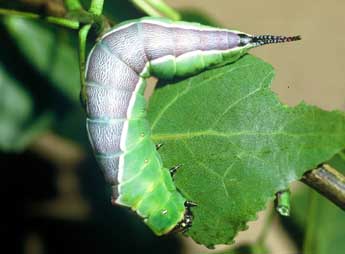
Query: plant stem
point(147, 8)
point(165, 9)
point(328, 182)
point(73, 5)
point(96, 7)
point(282, 202)
point(157, 8)
point(73, 24)
point(83, 32)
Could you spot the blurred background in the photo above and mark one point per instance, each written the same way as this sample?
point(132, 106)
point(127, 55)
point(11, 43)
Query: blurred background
point(54, 196)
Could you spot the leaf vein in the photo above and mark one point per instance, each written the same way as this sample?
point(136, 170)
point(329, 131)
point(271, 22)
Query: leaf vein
point(190, 87)
point(212, 133)
point(259, 88)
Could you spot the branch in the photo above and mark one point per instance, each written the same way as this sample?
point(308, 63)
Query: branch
point(328, 182)
point(73, 5)
point(73, 24)
point(50, 11)
point(54, 8)
point(74, 18)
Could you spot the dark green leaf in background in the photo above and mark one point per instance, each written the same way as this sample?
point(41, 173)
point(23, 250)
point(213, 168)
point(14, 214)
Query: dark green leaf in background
point(41, 61)
point(51, 51)
point(322, 223)
point(237, 143)
point(19, 123)
point(245, 249)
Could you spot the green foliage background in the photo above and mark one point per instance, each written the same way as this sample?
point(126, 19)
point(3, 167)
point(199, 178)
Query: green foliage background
point(237, 143)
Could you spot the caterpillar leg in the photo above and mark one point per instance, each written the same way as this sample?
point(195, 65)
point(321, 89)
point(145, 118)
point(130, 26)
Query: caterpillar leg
point(188, 204)
point(158, 146)
point(174, 169)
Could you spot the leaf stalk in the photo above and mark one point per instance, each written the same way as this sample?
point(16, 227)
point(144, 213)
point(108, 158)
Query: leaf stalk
point(157, 8)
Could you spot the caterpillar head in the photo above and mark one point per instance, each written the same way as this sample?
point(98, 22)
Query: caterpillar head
point(259, 40)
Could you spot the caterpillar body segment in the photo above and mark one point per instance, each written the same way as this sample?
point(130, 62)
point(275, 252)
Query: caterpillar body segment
point(116, 122)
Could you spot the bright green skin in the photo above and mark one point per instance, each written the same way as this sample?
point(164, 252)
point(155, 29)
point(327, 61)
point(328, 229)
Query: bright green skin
point(144, 184)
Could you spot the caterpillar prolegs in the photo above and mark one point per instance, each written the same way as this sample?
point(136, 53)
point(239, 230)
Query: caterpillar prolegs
point(119, 133)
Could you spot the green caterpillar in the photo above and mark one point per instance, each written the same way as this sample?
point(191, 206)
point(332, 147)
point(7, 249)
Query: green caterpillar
point(118, 130)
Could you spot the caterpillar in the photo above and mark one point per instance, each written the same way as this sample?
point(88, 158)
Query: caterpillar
point(116, 72)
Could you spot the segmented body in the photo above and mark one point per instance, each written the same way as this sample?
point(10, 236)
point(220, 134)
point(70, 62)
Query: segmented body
point(118, 130)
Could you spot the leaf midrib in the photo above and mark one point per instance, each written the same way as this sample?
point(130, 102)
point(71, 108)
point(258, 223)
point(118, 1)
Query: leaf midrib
point(213, 133)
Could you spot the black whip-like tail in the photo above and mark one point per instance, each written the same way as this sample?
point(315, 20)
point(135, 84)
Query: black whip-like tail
point(270, 39)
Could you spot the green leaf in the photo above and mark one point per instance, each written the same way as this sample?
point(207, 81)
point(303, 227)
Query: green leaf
point(50, 51)
point(321, 221)
point(244, 249)
point(46, 73)
point(237, 143)
point(19, 122)
point(338, 161)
